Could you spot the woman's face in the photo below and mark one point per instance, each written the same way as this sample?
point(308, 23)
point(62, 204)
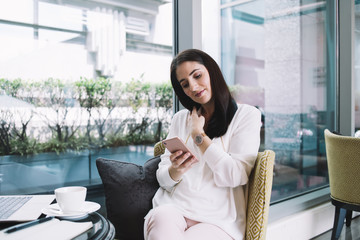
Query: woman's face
point(195, 81)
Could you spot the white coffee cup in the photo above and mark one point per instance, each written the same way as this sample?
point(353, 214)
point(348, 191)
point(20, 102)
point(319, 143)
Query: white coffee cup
point(70, 199)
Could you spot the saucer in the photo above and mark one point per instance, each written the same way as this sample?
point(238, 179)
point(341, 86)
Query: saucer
point(54, 210)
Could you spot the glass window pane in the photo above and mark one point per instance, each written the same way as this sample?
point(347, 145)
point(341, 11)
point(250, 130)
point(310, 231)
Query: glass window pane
point(274, 57)
point(89, 80)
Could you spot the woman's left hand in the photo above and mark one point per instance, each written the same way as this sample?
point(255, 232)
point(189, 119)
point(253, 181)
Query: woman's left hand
point(197, 123)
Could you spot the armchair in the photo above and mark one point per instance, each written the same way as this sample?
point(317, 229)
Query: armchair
point(129, 189)
point(343, 159)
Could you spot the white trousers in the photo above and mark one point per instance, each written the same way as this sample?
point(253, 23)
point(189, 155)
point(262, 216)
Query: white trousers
point(167, 223)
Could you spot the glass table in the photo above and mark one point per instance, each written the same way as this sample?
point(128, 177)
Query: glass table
point(102, 228)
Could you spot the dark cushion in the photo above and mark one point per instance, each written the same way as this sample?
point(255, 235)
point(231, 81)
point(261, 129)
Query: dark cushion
point(129, 189)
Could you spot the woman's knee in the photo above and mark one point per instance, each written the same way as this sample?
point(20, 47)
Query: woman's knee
point(164, 218)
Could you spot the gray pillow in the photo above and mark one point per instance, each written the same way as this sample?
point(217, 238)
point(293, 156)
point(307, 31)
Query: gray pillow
point(129, 189)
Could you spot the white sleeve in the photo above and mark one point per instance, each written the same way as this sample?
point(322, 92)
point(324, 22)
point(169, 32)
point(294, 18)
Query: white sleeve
point(233, 168)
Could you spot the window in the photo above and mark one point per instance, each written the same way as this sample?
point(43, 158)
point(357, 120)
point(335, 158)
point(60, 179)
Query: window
point(80, 80)
point(274, 57)
point(357, 67)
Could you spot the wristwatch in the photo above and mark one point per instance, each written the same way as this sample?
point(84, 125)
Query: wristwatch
point(199, 139)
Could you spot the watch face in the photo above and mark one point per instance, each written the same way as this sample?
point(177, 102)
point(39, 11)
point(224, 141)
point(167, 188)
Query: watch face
point(198, 139)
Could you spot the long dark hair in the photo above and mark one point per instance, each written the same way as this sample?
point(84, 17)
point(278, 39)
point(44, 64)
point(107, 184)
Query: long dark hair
point(225, 105)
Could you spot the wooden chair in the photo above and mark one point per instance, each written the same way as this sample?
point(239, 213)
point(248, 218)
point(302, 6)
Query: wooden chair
point(343, 159)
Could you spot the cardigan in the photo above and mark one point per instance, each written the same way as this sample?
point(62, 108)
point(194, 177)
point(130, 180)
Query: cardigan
point(214, 189)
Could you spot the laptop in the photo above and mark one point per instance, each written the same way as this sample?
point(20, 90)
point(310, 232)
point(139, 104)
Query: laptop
point(22, 208)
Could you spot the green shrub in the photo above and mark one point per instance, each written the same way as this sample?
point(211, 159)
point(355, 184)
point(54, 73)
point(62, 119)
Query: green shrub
point(98, 98)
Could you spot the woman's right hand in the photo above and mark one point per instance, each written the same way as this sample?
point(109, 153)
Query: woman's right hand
point(180, 164)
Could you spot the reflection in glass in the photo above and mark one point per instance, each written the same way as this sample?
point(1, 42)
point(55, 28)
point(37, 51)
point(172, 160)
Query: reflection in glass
point(274, 57)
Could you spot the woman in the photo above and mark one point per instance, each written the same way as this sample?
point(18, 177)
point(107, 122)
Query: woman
point(203, 196)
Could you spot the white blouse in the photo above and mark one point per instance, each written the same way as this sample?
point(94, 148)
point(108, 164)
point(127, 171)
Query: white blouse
point(213, 190)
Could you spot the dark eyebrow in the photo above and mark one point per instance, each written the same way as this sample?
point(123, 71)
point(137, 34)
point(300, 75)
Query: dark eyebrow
point(189, 74)
point(193, 71)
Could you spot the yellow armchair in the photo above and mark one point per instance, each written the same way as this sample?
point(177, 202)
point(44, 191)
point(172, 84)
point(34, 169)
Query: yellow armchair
point(343, 159)
point(260, 184)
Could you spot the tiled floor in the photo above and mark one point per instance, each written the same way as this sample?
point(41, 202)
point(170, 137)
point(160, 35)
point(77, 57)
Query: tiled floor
point(347, 233)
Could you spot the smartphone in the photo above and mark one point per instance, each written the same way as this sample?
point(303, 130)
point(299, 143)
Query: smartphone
point(174, 144)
